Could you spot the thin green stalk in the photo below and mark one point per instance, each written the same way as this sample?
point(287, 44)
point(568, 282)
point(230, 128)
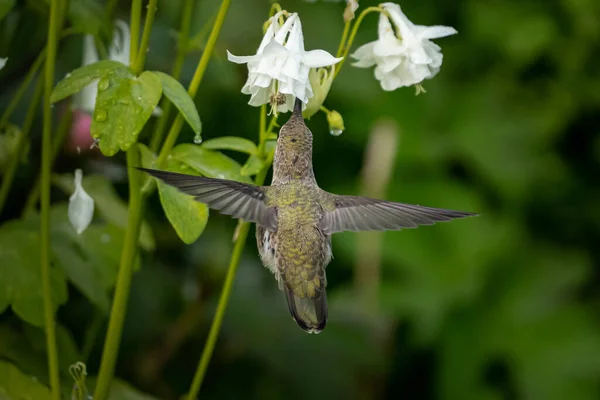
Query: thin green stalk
point(344, 37)
point(45, 200)
point(182, 48)
point(13, 163)
point(348, 45)
point(16, 98)
point(197, 78)
point(136, 17)
point(91, 335)
point(141, 57)
point(240, 242)
point(119, 307)
point(110, 7)
point(63, 129)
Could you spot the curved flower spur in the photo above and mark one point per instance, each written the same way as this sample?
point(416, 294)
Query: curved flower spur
point(295, 218)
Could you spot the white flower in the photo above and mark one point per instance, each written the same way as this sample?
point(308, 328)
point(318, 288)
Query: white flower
point(281, 65)
point(118, 50)
point(81, 206)
point(3, 62)
point(405, 60)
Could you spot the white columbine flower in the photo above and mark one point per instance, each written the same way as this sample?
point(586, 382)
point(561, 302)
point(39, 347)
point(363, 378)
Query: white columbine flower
point(118, 50)
point(81, 206)
point(3, 62)
point(406, 59)
point(278, 73)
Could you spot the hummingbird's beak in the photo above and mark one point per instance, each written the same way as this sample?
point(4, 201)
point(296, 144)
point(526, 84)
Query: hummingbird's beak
point(297, 108)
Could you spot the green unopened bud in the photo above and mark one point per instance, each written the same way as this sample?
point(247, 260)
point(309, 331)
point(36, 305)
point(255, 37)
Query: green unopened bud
point(320, 81)
point(336, 123)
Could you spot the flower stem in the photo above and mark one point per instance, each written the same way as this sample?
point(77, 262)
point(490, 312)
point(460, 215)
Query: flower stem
point(240, 242)
point(119, 307)
point(17, 155)
point(64, 127)
point(136, 17)
point(22, 89)
point(343, 40)
point(141, 57)
point(348, 44)
point(53, 28)
point(197, 78)
point(182, 48)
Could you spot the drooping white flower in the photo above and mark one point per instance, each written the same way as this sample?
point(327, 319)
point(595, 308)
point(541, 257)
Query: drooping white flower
point(81, 206)
point(118, 50)
point(405, 59)
point(3, 62)
point(281, 65)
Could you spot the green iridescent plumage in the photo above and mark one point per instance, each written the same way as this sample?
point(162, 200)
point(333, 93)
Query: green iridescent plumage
point(295, 218)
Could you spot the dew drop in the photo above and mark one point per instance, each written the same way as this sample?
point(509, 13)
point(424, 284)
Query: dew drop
point(336, 132)
point(101, 115)
point(198, 138)
point(103, 84)
point(105, 238)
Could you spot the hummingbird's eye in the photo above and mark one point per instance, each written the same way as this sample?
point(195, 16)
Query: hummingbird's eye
point(293, 140)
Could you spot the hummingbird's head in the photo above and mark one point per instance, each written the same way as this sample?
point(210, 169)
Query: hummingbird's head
point(293, 155)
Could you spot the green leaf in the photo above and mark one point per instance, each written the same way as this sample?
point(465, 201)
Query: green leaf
point(5, 7)
point(231, 143)
point(15, 385)
point(209, 163)
point(253, 166)
point(123, 106)
point(148, 157)
point(187, 216)
point(108, 204)
point(88, 16)
point(21, 283)
point(181, 99)
point(81, 77)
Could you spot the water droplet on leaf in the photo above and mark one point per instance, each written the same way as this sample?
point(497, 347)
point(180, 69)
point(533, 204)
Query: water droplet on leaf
point(103, 84)
point(101, 115)
point(336, 132)
point(198, 138)
point(105, 238)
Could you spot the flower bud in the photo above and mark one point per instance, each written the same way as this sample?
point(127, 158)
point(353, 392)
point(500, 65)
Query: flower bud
point(81, 206)
point(336, 123)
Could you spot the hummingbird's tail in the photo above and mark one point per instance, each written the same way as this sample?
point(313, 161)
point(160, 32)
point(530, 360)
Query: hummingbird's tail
point(309, 313)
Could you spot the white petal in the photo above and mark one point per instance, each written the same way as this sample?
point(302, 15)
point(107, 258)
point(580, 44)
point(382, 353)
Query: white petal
point(353, 5)
point(81, 206)
point(241, 59)
point(282, 33)
point(268, 36)
point(90, 54)
point(434, 32)
point(85, 99)
point(364, 55)
point(319, 58)
point(3, 62)
point(295, 42)
point(406, 27)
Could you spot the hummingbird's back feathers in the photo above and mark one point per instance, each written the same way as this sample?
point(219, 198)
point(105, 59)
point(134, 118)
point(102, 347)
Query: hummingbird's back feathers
point(240, 200)
point(355, 213)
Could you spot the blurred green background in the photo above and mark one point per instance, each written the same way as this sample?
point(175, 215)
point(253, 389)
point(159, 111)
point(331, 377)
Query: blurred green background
point(503, 306)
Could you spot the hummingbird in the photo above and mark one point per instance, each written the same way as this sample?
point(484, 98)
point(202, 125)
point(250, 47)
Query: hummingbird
point(295, 218)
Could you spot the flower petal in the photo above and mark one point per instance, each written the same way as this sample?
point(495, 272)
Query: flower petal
point(434, 32)
point(3, 62)
point(241, 59)
point(81, 206)
point(319, 58)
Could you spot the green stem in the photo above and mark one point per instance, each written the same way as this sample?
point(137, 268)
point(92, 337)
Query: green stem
point(240, 242)
point(110, 7)
point(119, 307)
point(343, 40)
point(141, 57)
point(198, 75)
point(182, 47)
point(16, 98)
point(348, 45)
point(45, 200)
point(64, 127)
point(91, 335)
point(17, 155)
point(136, 17)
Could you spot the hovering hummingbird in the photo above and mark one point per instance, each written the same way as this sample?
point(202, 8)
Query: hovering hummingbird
point(295, 218)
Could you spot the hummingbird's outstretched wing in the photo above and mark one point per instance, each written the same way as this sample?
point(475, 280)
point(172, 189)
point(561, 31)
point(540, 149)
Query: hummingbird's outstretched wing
point(354, 213)
point(240, 200)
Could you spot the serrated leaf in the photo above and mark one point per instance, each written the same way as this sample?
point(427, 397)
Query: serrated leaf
point(108, 204)
point(209, 163)
point(21, 283)
point(181, 99)
point(5, 7)
point(233, 143)
point(81, 77)
point(123, 106)
point(186, 215)
point(88, 16)
point(15, 385)
point(253, 166)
